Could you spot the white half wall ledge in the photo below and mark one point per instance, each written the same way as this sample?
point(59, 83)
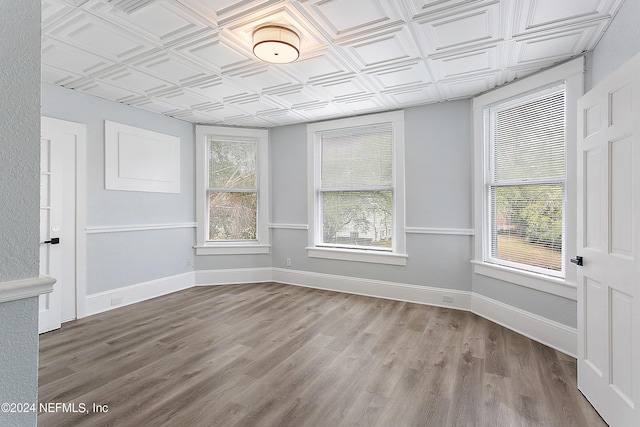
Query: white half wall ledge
point(25, 288)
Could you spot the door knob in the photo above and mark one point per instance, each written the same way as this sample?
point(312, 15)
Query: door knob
point(53, 241)
point(577, 260)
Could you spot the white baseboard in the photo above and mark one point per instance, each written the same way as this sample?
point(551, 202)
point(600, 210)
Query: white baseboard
point(108, 300)
point(553, 334)
point(556, 335)
point(233, 276)
point(374, 288)
point(548, 332)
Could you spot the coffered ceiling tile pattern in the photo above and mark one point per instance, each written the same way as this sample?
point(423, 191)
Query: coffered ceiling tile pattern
point(538, 15)
point(462, 28)
point(161, 21)
point(344, 19)
point(193, 60)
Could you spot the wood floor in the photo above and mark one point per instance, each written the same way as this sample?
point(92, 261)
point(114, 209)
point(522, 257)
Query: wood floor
point(276, 355)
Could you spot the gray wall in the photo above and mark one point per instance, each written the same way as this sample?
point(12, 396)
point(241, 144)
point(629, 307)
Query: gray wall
point(115, 260)
point(619, 44)
point(19, 193)
point(438, 195)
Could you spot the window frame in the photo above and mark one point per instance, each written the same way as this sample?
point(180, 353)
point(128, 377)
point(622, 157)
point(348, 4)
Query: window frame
point(571, 73)
point(261, 245)
point(397, 255)
point(490, 182)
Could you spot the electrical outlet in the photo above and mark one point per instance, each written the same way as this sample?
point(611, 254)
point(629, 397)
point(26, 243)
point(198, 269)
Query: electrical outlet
point(288, 262)
point(447, 298)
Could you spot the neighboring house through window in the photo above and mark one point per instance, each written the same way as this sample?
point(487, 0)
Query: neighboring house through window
point(232, 189)
point(356, 188)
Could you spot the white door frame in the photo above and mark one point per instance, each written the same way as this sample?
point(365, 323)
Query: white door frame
point(79, 130)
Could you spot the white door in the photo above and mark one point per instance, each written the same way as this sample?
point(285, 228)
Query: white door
point(58, 222)
point(50, 314)
point(609, 243)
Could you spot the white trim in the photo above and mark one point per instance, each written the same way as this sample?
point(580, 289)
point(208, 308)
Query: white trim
point(80, 132)
point(142, 227)
point(447, 231)
point(538, 80)
point(374, 288)
point(25, 288)
point(129, 166)
point(233, 276)
point(103, 301)
point(376, 257)
point(571, 73)
point(556, 335)
point(202, 167)
point(289, 226)
point(396, 118)
point(232, 249)
point(548, 284)
point(548, 332)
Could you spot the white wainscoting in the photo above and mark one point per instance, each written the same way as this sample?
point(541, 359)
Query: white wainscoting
point(140, 159)
point(107, 300)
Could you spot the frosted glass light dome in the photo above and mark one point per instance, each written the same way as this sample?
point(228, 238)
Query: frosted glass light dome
point(276, 44)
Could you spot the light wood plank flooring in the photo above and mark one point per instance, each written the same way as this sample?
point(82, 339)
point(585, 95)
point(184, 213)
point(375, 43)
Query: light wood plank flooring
point(276, 355)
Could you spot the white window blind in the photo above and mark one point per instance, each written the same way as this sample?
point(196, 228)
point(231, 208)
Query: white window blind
point(356, 187)
point(233, 189)
point(526, 176)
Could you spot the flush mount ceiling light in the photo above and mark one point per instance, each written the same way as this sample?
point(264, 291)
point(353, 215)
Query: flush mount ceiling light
point(276, 44)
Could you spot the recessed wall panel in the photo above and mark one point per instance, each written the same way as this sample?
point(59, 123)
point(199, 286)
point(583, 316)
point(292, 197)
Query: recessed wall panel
point(621, 188)
point(595, 325)
point(592, 199)
point(592, 120)
point(620, 104)
point(621, 344)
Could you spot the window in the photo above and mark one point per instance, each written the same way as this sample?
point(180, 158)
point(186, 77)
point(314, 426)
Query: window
point(525, 180)
point(357, 189)
point(232, 190)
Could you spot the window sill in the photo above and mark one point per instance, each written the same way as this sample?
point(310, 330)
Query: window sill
point(358, 256)
point(536, 281)
point(233, 249)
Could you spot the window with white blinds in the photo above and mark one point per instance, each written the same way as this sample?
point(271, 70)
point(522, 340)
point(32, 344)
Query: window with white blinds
point(525, 180)
point(356, 187)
